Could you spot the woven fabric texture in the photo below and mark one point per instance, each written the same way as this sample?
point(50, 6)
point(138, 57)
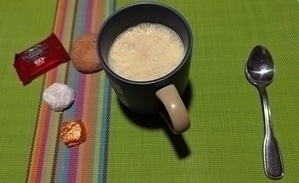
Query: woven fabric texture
point(224, 143)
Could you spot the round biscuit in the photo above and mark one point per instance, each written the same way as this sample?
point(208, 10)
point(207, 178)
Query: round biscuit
point(84, 55)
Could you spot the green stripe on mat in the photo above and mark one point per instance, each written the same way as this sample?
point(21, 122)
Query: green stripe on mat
point(23, 24)
point(224, 143)
point(225, 139)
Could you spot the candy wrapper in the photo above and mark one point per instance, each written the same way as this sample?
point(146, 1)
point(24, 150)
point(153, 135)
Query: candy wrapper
point(40, 58)
point(72, 132)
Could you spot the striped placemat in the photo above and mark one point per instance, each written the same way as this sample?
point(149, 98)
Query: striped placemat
point(50, 159)
point(224, 143)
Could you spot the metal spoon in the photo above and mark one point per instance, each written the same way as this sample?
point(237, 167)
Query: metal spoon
point(260, 71)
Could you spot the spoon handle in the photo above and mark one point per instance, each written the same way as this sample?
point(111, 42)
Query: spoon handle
point(271, 154)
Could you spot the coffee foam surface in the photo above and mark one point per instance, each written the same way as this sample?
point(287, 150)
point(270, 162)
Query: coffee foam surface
point(146, 52)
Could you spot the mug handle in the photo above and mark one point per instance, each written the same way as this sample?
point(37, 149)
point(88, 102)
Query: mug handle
point(179, 119)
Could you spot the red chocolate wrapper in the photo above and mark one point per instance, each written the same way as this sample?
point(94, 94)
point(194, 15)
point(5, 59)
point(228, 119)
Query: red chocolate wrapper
point(40, 58)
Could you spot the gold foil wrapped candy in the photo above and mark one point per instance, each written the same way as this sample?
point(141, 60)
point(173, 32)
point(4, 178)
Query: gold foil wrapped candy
point(72, 132)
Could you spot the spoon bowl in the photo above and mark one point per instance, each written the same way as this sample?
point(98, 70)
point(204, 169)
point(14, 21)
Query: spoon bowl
point(260, 67)
point(260, 72)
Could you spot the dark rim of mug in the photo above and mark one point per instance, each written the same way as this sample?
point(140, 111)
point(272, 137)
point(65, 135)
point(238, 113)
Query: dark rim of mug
point(187, 54)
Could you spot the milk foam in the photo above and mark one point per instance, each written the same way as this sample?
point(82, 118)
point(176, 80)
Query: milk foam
point(146, 52)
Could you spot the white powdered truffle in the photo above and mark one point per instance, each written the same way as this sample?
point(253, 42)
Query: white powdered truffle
point(59, 96)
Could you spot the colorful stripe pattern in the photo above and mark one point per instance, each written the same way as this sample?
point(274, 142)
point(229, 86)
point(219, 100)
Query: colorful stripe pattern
point(50, 159)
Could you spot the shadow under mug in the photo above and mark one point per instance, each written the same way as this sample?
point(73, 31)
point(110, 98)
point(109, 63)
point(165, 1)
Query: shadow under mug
point(154, 96)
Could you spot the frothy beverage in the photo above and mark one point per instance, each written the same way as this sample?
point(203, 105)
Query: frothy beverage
point(146, 52)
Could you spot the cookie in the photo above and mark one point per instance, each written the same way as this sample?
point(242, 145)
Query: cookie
point(84, 54)
point(59, 96)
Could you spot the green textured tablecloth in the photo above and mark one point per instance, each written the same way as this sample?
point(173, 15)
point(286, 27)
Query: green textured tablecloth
point(224, 143)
